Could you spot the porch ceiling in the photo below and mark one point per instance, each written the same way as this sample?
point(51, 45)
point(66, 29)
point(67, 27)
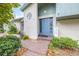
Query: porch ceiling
point(42, 4)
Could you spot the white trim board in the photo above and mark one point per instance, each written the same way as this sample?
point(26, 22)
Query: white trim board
point(46, 16)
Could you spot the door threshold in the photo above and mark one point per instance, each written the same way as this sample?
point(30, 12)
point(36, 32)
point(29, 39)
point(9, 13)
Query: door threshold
point(44, 38)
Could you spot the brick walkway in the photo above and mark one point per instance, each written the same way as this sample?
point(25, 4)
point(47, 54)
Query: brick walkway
point(35, 47)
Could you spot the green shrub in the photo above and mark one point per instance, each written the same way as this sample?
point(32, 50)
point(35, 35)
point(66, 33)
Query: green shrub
point(63, 42)
point(1, 28)
point(9, 45)
point(54, 42)
point(18, 32)
point(25, 37)
point(68, 43)
point(12, 29)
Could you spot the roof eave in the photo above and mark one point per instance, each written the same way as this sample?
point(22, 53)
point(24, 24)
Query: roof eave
point(17, 19)
point(24, 6)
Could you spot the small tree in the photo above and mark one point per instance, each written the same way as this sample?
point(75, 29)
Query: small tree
point(12, 29)
point(6, 11)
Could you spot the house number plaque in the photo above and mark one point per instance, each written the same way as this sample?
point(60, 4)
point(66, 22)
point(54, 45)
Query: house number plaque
point(29, 16)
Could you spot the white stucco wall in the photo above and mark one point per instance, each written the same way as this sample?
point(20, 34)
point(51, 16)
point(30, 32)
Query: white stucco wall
point(18, 25)
point(30, 25)
point(69, 28)
point(55, 27)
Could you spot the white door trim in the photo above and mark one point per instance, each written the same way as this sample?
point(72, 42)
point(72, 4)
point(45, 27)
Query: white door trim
point(46, 16)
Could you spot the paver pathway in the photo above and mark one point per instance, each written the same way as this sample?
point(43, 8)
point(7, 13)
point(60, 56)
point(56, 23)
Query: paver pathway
point(35, 47)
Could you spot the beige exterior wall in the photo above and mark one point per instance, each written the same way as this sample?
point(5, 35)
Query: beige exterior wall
point(69, 28)
point(31, 24)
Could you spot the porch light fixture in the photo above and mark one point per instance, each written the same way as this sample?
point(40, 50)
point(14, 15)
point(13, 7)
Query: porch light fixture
point(45, 11)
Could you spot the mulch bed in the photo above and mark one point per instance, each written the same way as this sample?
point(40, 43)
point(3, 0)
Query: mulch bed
point(21, 51)
point(63, 52)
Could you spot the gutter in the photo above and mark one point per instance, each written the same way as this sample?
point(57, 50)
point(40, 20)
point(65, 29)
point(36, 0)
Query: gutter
point(68, 17)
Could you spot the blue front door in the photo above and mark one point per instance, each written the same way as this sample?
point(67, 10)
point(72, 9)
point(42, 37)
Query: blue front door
point(46, 26)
